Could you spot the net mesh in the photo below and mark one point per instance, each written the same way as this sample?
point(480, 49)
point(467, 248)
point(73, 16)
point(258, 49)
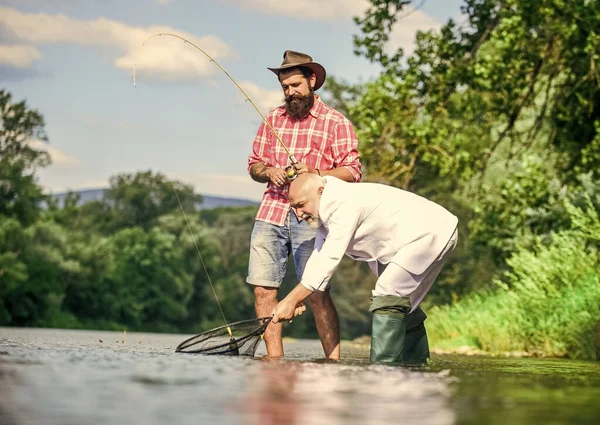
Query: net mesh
point(236, 339)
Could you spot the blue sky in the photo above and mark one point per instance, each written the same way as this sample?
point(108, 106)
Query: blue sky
point(73, 61)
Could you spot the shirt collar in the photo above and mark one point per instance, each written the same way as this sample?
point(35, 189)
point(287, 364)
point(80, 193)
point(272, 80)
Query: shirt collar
point(314, 111)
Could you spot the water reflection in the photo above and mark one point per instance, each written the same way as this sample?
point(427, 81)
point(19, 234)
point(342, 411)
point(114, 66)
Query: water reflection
point(8, 380)
point(270, 395)
point(283, 392)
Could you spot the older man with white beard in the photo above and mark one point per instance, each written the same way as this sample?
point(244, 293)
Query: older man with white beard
point(406, 239)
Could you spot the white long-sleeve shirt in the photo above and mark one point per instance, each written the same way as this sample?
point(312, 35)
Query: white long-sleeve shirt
point(374, 222)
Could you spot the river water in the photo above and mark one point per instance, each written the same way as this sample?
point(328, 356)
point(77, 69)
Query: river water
point(66, 377)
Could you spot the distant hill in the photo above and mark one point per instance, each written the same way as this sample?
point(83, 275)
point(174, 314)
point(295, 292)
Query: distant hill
point(208, 201)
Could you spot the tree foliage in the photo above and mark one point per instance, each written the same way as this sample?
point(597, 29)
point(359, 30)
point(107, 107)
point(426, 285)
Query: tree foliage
point(515, 76)
point(20, 127)
point(139, 199)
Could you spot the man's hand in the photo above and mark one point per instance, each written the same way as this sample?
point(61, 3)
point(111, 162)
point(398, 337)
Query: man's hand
point(303, 168)
point(276, 176)
point(291, 305)
point(263, 174)
point(286, 310)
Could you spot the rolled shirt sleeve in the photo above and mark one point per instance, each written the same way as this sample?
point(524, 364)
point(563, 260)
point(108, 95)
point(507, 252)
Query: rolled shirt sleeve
point(345, 149)
point(259, 146)
point(330, 247)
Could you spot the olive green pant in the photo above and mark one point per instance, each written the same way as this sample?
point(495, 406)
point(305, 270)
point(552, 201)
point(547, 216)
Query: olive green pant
point(396, 335)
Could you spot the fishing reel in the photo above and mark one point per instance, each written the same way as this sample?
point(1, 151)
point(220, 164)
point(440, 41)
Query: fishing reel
point(290, 171)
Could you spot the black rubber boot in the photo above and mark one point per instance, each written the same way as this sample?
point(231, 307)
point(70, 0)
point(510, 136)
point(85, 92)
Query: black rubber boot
point(388, 333)
point(397, 336)
point(416, 345)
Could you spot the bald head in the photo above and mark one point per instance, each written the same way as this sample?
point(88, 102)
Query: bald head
point(305, 197)
point(305, 185)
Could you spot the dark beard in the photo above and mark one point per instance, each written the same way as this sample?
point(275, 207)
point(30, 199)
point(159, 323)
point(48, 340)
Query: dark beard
point(299, 106)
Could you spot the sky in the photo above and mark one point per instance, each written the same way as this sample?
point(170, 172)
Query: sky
point(75, 60)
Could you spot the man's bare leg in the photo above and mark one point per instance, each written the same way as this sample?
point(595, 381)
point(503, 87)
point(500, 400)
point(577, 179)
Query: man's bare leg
point(328, 324)
point(265, 300)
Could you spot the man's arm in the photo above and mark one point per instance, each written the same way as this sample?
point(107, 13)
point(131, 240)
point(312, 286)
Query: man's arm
point(264, 174)
point(259, 167)
point(345, 153)
point(321, 264)
point(258, 172)
point(258, 163)
point(341, 173)
point(325, 258)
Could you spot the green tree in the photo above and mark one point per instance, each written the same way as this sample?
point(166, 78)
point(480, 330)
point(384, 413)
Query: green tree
point(13, 271)
point(201, 305)
point(232, 228)
point(513, 76)
point(20, 196)
point(139, 199)
point(149, 287)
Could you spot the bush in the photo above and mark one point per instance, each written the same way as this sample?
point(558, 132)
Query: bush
point(548, 303)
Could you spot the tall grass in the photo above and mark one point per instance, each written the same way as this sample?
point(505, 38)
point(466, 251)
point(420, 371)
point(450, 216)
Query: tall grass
point(548, 303)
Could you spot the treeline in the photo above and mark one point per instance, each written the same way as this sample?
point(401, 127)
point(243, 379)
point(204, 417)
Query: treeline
point(128, 261)
point(496, 117)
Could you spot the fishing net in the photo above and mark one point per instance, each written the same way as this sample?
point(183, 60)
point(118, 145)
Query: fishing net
point(236, 339)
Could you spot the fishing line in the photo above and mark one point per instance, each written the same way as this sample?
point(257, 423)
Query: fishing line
point(200, 256)
point(249, 333)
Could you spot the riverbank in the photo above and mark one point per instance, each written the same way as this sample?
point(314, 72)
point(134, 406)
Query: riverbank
point(458, 347)
point(364, 342)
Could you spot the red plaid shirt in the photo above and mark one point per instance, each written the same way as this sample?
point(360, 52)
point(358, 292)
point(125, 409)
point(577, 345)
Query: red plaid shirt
point(325, 139)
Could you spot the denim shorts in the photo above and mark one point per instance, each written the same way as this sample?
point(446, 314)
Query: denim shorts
point(270, 247)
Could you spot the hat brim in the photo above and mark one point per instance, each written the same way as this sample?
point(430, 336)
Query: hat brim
point(315, 67)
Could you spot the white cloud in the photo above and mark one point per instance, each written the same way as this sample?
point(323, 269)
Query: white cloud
point(59, 158)
point(403, 32)
point(162, 57)
point(265, 100)
point(321, 10)
point(164, 2)
point(405, 29)
point(18, 55)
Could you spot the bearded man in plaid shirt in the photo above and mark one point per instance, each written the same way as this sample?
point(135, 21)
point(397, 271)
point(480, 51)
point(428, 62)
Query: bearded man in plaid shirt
point(324, 143)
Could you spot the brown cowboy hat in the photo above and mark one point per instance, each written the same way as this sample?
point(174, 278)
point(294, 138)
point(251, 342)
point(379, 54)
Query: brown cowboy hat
point(293, 59)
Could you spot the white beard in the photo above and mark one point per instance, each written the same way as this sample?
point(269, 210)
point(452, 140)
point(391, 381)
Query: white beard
point(313, 222)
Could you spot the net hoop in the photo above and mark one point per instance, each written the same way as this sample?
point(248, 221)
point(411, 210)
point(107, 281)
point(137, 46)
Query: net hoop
point(222, 331)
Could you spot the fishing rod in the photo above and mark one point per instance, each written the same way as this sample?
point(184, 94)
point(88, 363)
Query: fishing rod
point(290, 171)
